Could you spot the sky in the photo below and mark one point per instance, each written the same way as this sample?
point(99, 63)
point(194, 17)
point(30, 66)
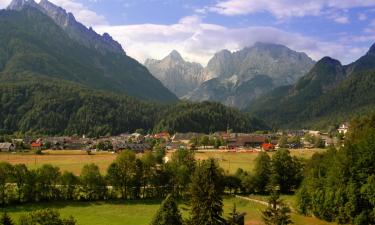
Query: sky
point(342, 29)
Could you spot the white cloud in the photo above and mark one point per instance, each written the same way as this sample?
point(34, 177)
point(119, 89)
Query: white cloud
point(285, 8)
point(198, 41)
point(81, 12)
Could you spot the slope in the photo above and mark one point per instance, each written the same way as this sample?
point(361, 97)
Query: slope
point(33, 44)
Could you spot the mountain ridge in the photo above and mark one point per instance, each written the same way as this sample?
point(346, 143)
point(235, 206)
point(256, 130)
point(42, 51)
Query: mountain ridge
point(34, 45)
point(330, 93)
point(75, 30)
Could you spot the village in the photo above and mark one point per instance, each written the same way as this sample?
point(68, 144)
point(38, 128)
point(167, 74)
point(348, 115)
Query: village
point(218, 141)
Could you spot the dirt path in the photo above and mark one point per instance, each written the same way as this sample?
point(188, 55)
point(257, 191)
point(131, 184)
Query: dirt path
point(252, 200)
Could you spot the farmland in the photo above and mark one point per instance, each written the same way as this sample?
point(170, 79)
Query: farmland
point(74, 160)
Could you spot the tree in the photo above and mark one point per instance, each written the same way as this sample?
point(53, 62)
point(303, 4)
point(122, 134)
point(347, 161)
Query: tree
point(286, 171)
point(45, 217)
point(69, 181)
point(205, 193)
point(5, 219)
point(20, 176)
point(168, 213)
point(204, 141)
point(181, 167)
point(277, 213)
point(48, 178)
point(262, 172)
point(5, 177)
point(93, 184)
point(122, 172)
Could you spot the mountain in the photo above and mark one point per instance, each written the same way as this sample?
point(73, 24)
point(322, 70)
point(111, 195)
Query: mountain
point(49, 106)
point(176, 74)
point(330, 93)
point(236, 79)
point(75, 30)
point(33, 45)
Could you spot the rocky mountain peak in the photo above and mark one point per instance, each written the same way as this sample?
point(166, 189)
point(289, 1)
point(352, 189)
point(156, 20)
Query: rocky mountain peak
point(175, 56)
point(20, 4)
point(75, 30)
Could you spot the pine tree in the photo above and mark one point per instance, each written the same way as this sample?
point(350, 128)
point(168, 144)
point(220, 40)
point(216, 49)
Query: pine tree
point(168, 213)
point(5, 219)
point(277, 213)
point(205, 194)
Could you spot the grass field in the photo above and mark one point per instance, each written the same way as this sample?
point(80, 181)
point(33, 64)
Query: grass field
point(74, 160)
point(141, 212)
point(231, 161)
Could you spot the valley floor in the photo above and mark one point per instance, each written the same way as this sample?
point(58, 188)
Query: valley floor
point(141, 212)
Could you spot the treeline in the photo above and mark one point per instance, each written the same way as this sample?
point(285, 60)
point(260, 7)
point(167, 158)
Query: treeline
point(54, 107)
point(282, 173)
point(339, 185)
point(131, 177)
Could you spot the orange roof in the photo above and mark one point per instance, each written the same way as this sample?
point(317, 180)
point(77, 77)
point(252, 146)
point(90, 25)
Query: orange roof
point(35, 144)
point(267, 146)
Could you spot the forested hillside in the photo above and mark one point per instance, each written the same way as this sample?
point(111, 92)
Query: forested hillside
point(49, 106)
point(329, 94)
point(339, 184)
point(32, 44)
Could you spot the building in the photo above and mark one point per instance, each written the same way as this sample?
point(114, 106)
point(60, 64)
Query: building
point(137, 147)
point(185, 137)
point(162, 135)
point(343, 128)
point(7, 147)
point(268, 147)
point(250, 140)
point(36, 145)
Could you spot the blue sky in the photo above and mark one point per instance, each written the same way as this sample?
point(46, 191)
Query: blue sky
point(343, 29)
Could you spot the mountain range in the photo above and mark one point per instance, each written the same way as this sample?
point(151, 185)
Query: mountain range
point(235, 79)
point(58, 77)
point(330, 93)
point(44, 41)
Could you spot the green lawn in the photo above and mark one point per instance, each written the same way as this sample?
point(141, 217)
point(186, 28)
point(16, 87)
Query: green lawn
point(141, 212)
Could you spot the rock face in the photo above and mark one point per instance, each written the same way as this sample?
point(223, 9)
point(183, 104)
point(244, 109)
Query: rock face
point(176, 74)
point(77, 31)
point(243, 76)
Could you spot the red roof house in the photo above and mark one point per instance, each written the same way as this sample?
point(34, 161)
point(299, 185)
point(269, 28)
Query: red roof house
point(268, 147)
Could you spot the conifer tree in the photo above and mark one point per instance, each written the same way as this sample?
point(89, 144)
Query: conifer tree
point(205, 194)
point(168, 213)
point(277, 213)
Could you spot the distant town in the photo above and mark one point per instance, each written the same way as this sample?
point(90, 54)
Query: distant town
point(222, 141)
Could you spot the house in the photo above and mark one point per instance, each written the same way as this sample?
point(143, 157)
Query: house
point(343, 128)
point(137, 147)
point(36, 145)
point(162, 135)
point(7, 147)
point(268, 147)
point(185, 137)
point(249, 140)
